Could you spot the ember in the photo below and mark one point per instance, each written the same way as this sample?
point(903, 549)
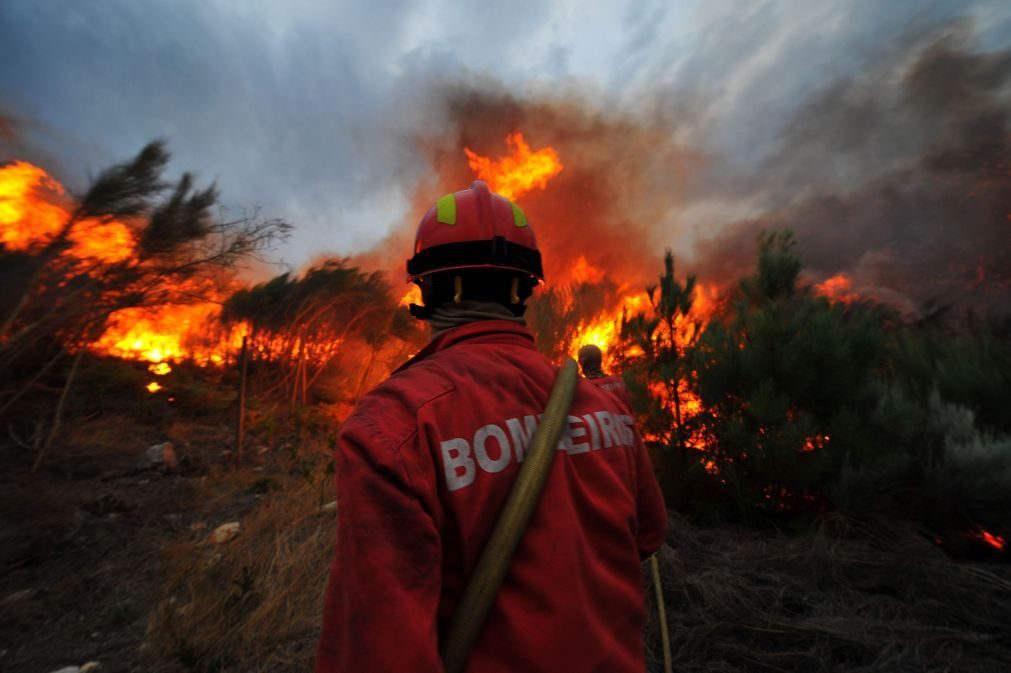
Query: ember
point(995, 541)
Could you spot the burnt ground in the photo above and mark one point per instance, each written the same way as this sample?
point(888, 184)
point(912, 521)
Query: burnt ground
point(82, 540)
point(102, 561)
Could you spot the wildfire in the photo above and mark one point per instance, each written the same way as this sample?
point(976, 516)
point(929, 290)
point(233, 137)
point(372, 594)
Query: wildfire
point(519, 173)
point(412, 296)
point(153, 387)
point(34, 209)
point(995, 541)
point(815, 442)
point(838, 288)
point(170, 332)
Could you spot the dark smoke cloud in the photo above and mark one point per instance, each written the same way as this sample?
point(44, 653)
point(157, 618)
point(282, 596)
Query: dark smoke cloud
point(621, 174)
point(900, 177)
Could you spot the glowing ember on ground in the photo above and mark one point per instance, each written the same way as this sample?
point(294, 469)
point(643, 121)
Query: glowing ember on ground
point(815, 442)
point(160, 369)
point(153, 387)
point(995, 541)
point(519, 173)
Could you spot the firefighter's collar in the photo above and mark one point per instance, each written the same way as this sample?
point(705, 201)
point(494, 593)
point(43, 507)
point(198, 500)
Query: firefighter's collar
point(488, 331)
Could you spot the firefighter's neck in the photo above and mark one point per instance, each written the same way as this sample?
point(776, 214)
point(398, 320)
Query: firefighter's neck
point(450, 315)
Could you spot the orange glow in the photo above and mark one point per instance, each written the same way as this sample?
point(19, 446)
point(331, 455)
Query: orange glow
point(995, 541)
point(815, 442)
point(412, 296)
point(26, 215)
point(34, 209)
point(160, 368)
point(170, 332)
point(519, 173)
point(584, 272)
point(838, 288)
point(604, 331)
point(153, 387)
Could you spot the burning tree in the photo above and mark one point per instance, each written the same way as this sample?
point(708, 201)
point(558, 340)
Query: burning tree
point(304, 324)
point(132, 241)
point(786, 384)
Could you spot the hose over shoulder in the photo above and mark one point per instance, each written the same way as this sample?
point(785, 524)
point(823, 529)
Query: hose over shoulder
point(479, 596)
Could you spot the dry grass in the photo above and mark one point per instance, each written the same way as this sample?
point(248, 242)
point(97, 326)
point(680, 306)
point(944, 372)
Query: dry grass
point(846, 599)
point(252, 604)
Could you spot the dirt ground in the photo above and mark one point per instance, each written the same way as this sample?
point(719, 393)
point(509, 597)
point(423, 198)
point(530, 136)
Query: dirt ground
point(102, 561)
point(82, 540)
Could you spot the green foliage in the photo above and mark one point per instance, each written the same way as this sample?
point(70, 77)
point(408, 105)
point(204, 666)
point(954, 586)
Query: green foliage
point(660, 371)
point(127, 189)
point(971, 367)
point(809, 405)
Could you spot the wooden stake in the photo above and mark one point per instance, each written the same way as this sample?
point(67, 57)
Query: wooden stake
point(241, 419)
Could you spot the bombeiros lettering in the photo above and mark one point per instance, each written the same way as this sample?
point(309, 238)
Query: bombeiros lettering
point(493, 447)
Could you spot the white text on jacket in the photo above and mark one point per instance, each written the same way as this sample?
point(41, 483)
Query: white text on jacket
point(494, 446)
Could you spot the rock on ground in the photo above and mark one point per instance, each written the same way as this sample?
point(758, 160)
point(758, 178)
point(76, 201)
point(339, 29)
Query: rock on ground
point(160, 456)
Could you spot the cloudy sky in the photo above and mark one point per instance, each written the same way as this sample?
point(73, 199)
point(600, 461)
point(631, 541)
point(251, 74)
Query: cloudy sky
point(312, 109)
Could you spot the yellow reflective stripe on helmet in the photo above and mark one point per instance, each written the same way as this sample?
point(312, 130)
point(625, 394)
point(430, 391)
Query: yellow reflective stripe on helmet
point(445, 209)
point(519, 219)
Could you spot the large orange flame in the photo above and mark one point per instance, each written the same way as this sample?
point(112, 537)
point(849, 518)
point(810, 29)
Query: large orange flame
point(34, 209)
point(519, 173)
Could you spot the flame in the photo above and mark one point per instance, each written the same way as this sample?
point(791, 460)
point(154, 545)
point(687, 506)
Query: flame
point(412, 296)
point(519, 173)
point(584, 272)
point(153, 387)
point(34, 210)
point(815, 442)
point(169, 332)
point(838, 288)
point(160, 368)
point(995, 541)
point(26, 215)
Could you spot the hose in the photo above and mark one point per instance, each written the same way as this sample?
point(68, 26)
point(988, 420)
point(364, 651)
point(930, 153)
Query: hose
point(479, 596)
point(661, 610)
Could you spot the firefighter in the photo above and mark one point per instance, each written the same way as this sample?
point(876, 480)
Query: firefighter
point(426, 460)
point(590, 363)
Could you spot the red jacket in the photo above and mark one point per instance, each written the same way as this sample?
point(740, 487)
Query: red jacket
point(614, 385)
point(424, 465)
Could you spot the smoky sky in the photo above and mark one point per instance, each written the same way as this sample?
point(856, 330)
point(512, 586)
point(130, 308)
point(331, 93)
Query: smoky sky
point(329, 113)
point(898, 176)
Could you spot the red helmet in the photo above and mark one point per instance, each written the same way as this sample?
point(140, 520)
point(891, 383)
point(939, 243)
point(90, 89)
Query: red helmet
point(475, 229)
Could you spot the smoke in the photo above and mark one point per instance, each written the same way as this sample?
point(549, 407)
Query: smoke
point(899, 177)
point(596, 219)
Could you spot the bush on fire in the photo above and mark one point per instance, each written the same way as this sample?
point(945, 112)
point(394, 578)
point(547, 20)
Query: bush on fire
point(808, 405)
